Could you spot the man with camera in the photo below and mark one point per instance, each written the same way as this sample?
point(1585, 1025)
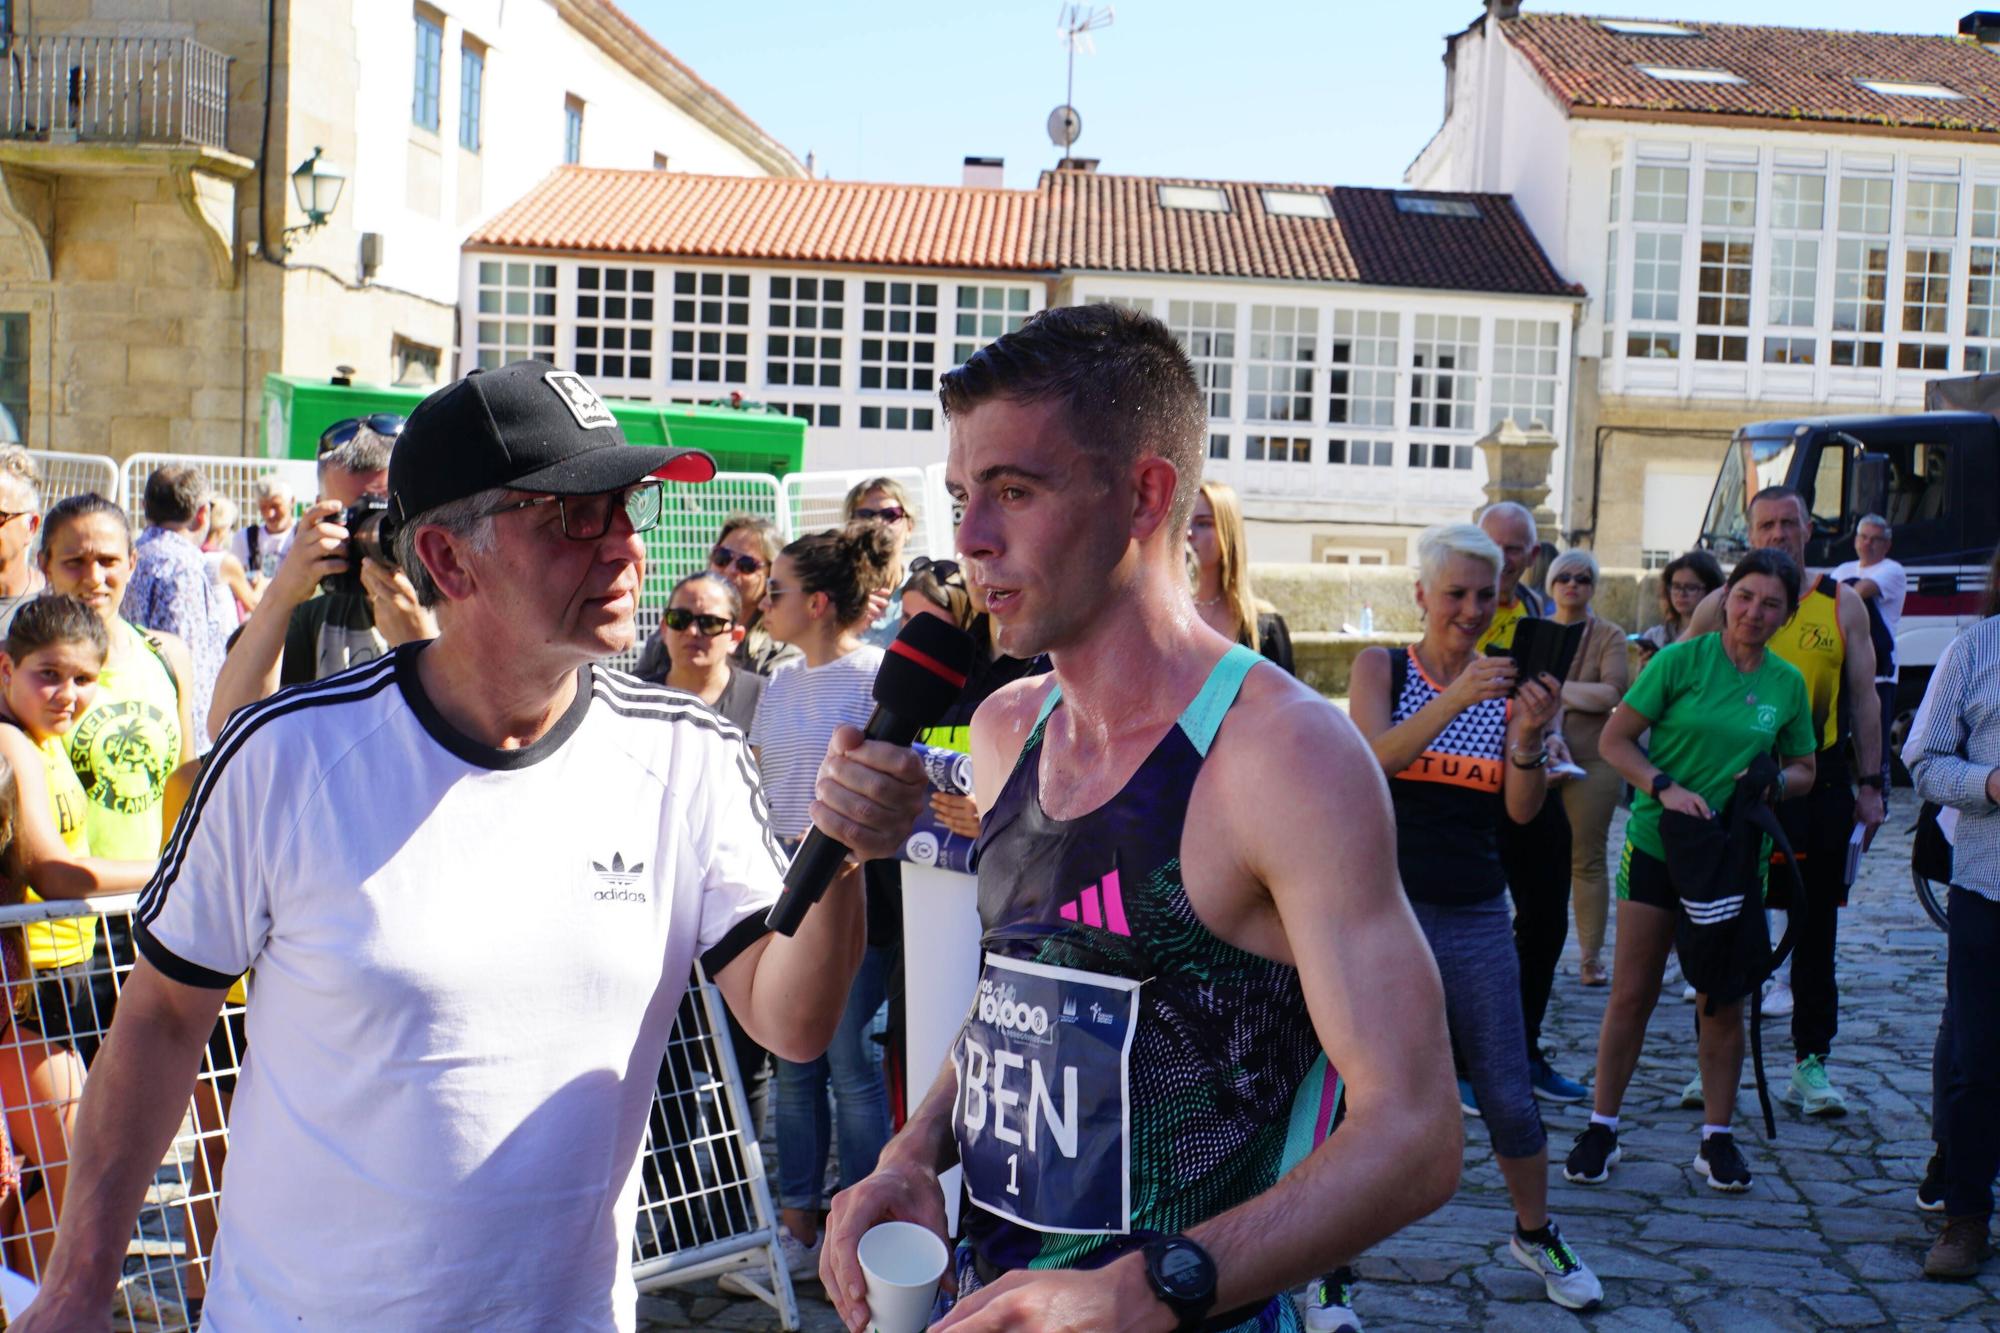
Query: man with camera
point(337, 599)
point(473, 878)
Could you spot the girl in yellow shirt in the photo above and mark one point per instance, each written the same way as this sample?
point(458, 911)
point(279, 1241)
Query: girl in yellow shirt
point(48, 676)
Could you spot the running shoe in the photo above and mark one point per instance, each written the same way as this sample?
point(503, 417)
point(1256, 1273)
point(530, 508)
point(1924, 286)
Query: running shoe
point(1778, 1001)
point(1692, 1097)
point(1688, 992)
point(1930, 1190)
point(1330, 1304)
point(1724, 1166)
point(801, 1262)
point(1564, 1277)
point(1467, 1101)
point(1959, 1249)
point(1812, 1092)
point(1595, 1153)
point(1551, 1086)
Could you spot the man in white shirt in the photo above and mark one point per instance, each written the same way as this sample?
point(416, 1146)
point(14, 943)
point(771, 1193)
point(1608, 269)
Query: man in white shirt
point(472, 877)
point(1881, 581)
point(261, 546)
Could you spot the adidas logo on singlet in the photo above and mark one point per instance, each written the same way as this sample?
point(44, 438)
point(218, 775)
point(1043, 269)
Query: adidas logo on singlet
point(1100, 905)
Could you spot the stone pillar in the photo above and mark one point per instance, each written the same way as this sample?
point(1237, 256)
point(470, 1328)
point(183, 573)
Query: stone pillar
point(1517, 468)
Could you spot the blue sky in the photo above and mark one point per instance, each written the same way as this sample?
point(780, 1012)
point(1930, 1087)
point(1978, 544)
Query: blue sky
point(1341, 92)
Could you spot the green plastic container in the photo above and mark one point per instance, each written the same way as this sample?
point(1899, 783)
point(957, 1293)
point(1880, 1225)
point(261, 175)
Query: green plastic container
point(297, 409)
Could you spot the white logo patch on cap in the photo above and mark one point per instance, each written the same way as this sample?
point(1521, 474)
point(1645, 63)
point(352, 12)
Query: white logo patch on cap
point(581, 400)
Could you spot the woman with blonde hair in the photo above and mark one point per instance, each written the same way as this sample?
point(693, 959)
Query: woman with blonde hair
point(1597, 681)
point(1222, 592)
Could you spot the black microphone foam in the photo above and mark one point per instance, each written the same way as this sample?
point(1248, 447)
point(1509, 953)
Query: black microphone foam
point(922, 674)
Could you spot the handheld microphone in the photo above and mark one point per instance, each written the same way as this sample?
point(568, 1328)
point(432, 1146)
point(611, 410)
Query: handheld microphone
point(922, 674)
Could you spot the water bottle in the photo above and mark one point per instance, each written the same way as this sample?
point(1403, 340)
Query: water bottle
point(1367, 618)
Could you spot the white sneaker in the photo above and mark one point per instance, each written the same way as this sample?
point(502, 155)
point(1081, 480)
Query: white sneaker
point(1566, 1279)
point(1778, 1002)
point(1688, 992)
point(801, 1261)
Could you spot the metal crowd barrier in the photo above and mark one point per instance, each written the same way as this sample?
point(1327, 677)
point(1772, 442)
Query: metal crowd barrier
point(236, 478)
point(704, 1200)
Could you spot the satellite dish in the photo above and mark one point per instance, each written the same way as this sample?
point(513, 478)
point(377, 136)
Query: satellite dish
point(1065, 127)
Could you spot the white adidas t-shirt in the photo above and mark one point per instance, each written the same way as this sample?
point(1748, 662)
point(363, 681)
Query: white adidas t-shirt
point(468, 962)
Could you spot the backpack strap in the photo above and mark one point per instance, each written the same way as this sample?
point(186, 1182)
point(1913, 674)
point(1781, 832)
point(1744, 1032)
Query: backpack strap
point(159, 651)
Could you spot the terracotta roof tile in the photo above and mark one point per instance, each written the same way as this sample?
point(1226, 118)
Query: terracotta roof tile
point(1799, 75)
point(1072, 221)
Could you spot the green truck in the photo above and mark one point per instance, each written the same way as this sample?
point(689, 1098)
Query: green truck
point(751, 446)
point(740, 439)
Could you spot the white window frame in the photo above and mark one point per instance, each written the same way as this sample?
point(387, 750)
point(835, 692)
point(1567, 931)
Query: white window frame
point(709, 317)
point(1444, 397)
point(515, 296)
point(614, 321)
point(1364, 354)
point(996, 309)
point(1283, 348)
point(1207, 331)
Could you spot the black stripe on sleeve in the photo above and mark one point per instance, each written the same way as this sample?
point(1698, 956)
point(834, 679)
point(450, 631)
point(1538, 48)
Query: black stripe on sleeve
point(176, 968)
point(731, 946)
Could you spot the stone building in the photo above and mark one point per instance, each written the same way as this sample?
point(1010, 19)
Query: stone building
point(1771, 223)
point(1353, 344)
point(155, 263)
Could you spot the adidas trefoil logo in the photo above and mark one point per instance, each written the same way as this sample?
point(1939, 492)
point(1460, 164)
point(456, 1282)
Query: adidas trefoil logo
point(618, 879)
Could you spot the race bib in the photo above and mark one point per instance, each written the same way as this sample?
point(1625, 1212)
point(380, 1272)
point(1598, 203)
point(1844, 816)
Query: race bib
point(1043, 1111)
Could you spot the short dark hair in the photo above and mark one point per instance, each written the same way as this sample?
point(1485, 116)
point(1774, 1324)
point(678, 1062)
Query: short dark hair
point(54, 618)
point(175, 493)
point(1780, 493)
point(76, 508)
point(1125, 386)
point(1774, 563)
point(721, 584)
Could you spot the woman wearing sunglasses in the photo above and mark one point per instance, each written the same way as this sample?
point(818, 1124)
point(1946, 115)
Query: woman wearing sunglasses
point(743, 555)
point(701, 628)
point(1597, 681)
point(883, 500)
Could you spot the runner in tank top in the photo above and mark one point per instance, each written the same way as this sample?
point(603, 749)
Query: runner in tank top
point(1827, 640)
point(1173, 932)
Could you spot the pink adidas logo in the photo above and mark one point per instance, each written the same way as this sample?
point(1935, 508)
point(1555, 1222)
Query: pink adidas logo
point(1106, 912)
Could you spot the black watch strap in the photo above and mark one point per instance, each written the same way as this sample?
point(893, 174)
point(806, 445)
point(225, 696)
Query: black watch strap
point(1870, 780)
point(1660, 783)
point(1183, 1276)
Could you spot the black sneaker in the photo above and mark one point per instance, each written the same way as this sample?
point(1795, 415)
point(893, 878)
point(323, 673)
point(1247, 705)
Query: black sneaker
point(1723, 1164)
point(1595, 1153)
point(1930, 1191)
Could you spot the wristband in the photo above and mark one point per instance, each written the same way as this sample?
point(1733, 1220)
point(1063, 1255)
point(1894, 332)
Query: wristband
point(1540, 760)
point(1870, 780)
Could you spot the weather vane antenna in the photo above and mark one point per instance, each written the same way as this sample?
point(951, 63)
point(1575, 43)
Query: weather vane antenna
point(1074, 24)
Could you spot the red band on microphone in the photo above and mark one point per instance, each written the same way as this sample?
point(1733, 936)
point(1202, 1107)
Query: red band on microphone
point(927, 662)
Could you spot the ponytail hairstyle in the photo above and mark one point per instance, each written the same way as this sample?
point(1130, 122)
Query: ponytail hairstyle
point(846, 564)
point(55, 618)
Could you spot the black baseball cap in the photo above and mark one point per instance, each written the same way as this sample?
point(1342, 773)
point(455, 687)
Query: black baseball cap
point(526, 426)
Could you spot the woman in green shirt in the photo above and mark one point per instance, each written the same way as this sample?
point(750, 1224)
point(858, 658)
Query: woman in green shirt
point(1714, 704)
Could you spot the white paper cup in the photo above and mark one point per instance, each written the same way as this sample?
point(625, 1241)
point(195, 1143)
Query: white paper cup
point(902, 1263)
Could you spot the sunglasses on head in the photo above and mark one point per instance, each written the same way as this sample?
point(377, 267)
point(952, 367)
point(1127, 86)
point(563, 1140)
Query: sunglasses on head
point(944, 571)
point(679, 619)
point(722, 558)
point(340, 432)
point(887, 513)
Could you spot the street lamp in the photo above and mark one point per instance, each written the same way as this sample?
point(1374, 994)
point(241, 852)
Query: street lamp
point(317, 183)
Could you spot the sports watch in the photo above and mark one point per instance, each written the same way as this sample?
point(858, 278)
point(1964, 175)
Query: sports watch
point(1870, 780)
point(1660, 783)
point(1183, 1276)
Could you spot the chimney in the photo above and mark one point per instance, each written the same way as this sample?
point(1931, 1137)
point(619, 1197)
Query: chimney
point(985, 173)
point(1504, 9)
point(1981, 25)
point(1087, 165)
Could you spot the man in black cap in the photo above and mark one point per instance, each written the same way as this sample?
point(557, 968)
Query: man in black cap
point(472, 878)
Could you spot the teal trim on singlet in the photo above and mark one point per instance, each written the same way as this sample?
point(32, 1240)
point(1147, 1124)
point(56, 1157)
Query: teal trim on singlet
point(1203, 717)
point(1316, 1109)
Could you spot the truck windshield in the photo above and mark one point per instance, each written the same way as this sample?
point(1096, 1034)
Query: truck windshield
point(1752, 463)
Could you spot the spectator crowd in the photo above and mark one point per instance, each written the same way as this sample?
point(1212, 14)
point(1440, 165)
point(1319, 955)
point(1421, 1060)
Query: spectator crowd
point(126, 655)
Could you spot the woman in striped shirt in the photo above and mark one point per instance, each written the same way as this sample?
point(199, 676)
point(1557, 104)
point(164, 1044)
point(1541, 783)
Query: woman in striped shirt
point(817, 600)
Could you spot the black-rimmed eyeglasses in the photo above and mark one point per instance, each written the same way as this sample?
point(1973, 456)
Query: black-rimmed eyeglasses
point(585, 518)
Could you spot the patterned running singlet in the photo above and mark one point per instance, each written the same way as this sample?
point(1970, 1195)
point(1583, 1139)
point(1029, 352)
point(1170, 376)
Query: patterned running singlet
point(1124, 1073)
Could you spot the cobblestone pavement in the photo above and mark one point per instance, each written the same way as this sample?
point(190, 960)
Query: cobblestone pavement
point(1828, 1236)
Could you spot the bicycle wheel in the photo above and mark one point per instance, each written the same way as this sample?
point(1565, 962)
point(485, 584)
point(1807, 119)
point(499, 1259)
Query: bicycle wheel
point(1932, 895)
